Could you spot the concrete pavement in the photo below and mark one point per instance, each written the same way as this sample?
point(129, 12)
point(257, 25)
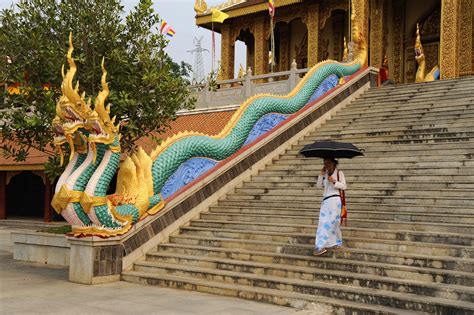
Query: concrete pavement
point(30, 288)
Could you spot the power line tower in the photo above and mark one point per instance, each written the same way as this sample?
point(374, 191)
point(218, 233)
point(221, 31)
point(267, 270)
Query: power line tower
point(198, 69)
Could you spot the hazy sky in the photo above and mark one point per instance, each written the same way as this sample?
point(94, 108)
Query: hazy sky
point(180, 15)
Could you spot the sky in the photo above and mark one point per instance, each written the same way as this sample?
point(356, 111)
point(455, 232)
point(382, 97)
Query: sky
point(180, 15)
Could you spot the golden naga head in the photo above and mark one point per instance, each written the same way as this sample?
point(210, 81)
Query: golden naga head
point(71, 111)
point(345, 53)
point(73, 107)
point(200, 6)
point(419, 55)
point(360, 43)
point(101, 126)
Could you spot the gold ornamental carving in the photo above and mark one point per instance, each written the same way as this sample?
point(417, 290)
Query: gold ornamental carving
point(312, 22)
point(376, 33)
point(227, 53)
point(261, 46)
point(465, 39)
point(449, 40)
point(397, 51)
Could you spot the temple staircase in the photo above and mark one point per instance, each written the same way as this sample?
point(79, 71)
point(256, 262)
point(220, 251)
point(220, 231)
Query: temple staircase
point(409, 246)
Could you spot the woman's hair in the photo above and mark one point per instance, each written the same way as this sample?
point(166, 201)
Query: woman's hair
point(334, 161)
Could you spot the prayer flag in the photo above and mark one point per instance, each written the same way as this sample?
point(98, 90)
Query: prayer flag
point(218, 16)
point(167, 29)
point(271, 7)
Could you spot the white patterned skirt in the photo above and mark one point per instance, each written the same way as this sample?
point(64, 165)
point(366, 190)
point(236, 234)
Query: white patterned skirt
point(329, 233)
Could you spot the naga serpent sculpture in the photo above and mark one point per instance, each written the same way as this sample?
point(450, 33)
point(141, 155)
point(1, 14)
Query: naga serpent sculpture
point(420, 59)
point(94, 138)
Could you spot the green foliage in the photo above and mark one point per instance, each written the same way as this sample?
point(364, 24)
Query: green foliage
point(57, 230)
point(147, 87)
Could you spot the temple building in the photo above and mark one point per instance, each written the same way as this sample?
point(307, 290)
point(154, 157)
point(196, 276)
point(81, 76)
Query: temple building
point(309, 31)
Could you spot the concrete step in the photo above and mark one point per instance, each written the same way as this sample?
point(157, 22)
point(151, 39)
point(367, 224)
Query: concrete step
point(266, 295)
point(368, 242)
point(403, 212)
point(365, 253)
point(337, 262)
point(372, 157)
point(426, 109)
point(350, 257)
point(444, 115)
point(357, 190)
point(368, 183)
point(374, 164)
point(329, 127)
point(333, 290)
point(465, 171)
point(403, 121)
point(376, 148)
point(389, 131)
point(365, 213)
point(157, 260)
point(303, 234)
point(298, 230)
point(394, 140)
point(375, 125)
point(380, 105)
point(402, 222)
point(389, 103)
point(384, 199)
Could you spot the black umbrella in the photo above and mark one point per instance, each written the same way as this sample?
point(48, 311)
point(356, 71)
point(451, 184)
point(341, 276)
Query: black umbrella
point(331, 149)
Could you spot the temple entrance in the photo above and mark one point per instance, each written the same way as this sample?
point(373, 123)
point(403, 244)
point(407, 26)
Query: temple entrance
point(25, 196)
point(335, 28)
point(247, 38)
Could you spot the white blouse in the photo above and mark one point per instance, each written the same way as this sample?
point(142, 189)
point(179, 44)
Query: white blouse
point(330, 188)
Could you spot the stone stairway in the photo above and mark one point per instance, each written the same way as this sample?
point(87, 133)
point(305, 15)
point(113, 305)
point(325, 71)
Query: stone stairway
point(409, 244)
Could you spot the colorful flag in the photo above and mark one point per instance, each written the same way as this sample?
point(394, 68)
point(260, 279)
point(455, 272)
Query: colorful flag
point(271, 7)
point(218, 16)
point(167, 29)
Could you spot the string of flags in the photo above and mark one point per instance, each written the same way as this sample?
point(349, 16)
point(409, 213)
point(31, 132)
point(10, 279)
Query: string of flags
point(167, 29)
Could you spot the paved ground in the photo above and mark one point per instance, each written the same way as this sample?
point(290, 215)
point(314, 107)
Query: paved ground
point(30, 288)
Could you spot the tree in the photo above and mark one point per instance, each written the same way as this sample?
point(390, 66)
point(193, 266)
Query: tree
point(147, 87)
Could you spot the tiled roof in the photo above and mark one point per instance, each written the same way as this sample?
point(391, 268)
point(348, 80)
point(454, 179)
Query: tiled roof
point(209, 123)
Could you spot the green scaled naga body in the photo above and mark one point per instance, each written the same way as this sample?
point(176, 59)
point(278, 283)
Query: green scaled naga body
point(81, 194)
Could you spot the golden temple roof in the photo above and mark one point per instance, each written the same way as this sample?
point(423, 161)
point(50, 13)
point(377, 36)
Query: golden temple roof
point(235, 8)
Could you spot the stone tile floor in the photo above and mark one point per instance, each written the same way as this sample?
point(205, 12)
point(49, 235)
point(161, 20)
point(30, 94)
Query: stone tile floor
point(31, 288)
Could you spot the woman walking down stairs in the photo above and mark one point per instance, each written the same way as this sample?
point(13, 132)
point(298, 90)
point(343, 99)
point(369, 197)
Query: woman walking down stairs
point(409, 246)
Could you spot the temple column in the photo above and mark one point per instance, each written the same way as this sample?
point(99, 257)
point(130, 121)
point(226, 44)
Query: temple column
point(3, 195)
point(361, 8)
point(376, 33)
point(465, 37)
point(398, 29)
point(261, 45)
point(227, 52)
point(312, 24)
point(449, 61)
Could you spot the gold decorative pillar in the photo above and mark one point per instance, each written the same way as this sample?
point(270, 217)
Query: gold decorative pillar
point(227, 52)
point(449, 63)
point(465, 35)
point(397, 47)
point(312, 23)
point(376, 33)
point(261, 45)
point(361, 8)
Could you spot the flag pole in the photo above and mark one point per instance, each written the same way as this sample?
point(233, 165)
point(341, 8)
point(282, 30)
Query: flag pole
point(272, 44)
point(213, 47)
